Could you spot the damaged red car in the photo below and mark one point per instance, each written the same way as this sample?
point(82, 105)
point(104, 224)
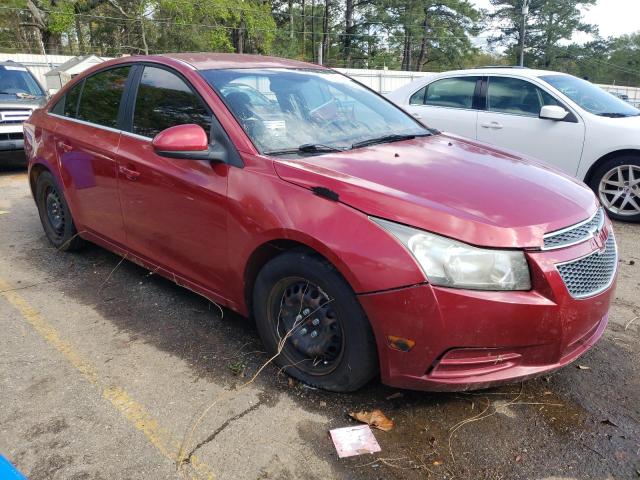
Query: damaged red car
point(362, 242)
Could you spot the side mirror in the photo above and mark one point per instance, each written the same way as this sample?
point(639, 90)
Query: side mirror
point(553, 112)
point(187, 142)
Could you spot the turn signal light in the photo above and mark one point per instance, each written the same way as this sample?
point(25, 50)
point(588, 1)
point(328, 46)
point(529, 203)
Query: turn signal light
point(399, 343)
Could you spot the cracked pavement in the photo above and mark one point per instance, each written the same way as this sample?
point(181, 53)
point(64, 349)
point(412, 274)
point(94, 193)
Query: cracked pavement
point(104, 372)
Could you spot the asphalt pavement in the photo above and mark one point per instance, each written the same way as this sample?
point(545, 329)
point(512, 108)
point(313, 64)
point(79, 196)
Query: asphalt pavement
point(110, 372)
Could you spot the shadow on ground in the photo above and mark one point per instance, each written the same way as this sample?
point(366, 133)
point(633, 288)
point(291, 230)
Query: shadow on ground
point(577, 423)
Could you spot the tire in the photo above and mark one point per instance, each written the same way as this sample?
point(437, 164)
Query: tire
point(618, 196)
point(55, 215)
point(342, 356)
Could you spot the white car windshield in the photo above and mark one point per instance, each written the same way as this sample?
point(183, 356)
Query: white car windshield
point(17, 81)
point(590, 97)
point(307, 111)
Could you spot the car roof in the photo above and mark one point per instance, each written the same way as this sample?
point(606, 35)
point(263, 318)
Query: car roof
point(10, 63)
point(516, 71)
point(209, 61)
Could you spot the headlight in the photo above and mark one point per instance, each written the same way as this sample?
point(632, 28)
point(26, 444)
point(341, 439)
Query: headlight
point(449, 263)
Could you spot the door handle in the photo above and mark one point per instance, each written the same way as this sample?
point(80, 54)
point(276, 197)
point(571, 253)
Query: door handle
point(65, 147)
point(128, 173)
point(416, 115)
point(493, 125)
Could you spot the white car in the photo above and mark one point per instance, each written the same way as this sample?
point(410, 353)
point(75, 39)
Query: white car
point(554, 117)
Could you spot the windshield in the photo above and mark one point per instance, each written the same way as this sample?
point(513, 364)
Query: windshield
point(590, 97)
point(17, 81)
point(308, 111)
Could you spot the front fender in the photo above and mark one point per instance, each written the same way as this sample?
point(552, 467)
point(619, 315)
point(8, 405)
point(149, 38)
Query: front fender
point(264, 208)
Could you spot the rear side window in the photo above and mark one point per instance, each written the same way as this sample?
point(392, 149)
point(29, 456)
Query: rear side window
point(452, 92)
point(517, 97)
point(418, 97)
point(68, 105)
point(101, 96)
point(165, 100)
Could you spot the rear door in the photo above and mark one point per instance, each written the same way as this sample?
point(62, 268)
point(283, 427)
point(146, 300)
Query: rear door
point(448, 104)
point(175, 210)
point(86, 140)
point(511, 120)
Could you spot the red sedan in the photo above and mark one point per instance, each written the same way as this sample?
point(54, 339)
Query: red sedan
point(362, 242)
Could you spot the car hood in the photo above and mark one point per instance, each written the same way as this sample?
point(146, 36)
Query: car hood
point(450, 186)
point(12, 101)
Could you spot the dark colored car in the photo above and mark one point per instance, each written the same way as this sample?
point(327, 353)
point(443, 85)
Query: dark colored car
point(359, 240)
point(20, 94)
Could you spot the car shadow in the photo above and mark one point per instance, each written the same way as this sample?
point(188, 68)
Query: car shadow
point(541, 428)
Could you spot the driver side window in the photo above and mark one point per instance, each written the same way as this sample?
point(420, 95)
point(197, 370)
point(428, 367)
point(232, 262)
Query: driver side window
point(516, 97)
point(164, 100)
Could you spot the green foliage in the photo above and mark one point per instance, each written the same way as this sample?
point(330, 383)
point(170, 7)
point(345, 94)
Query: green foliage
point(431, 35)
point(61, 18)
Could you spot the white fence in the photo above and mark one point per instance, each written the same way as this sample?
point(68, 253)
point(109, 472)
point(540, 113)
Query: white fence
point(382, 81)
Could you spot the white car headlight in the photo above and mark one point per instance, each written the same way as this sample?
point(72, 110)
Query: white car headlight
point(450, 263)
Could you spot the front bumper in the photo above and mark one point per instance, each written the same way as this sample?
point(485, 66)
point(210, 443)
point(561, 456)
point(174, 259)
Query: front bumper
point(467, 340)
point(11, 138)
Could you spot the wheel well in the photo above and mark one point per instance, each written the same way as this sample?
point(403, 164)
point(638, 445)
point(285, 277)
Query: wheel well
point(618, 153)
point(263, 254)
point(36, 170)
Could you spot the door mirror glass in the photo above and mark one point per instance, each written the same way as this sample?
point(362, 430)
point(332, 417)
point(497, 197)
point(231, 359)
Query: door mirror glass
point(553, 112)
point(182, 141)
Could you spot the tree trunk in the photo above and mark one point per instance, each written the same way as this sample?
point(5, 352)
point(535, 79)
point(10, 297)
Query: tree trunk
point(313, 30)
point(325, 30)
point(304, 30)
point(406, 52)
point(348, 30)
point(143, 34)
point(423, 44)
point(290, 19)
point(80, 36)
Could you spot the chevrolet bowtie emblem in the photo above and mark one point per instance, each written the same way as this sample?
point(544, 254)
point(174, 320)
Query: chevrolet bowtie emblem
point(599, 241)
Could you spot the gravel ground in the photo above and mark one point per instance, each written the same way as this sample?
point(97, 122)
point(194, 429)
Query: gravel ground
point(109, 372)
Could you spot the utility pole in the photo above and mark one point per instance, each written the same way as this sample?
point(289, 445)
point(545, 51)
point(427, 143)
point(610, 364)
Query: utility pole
point(523, 31)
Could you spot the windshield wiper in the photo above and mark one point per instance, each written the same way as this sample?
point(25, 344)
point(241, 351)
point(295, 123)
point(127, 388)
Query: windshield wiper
point(616, 115)
point(306, 148)
point(388, 139)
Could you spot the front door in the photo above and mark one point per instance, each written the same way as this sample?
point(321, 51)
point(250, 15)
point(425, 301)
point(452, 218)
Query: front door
point(175, 210)
point(512, 121)
point(86, 141)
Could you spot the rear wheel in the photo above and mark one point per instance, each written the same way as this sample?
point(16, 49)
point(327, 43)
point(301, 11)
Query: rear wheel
point(617, 184)
point(55, 215)
point(304, 308)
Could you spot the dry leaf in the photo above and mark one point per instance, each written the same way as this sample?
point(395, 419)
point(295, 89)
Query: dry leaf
point(376, 419)
point(395, 395)
point(584, 367)
point(437, 462)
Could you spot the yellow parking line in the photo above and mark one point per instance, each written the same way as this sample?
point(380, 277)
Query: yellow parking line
point(158, 436)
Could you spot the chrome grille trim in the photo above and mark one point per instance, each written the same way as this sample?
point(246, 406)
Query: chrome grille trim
point(578, 233)
point(592, 274)
point(14, 116)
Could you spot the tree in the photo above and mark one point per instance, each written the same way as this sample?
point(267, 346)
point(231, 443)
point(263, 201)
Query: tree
point(435, 33)
point(549, 23)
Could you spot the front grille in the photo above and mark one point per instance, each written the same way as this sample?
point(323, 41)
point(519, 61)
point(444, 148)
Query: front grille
point(8, 117)
point(592, 274)
point(575, 234)
point(11, 136)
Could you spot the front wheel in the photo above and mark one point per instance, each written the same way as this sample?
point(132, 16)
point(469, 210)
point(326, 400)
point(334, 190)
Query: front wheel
point(305, 310)
point(617, 184)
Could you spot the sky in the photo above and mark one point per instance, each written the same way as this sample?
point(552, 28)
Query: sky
point(613, 17)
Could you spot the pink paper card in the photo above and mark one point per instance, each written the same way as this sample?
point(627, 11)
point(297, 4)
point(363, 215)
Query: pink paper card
point(358, 440)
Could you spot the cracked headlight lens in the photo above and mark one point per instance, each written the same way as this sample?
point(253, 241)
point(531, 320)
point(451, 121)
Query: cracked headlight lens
point(450, 263)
